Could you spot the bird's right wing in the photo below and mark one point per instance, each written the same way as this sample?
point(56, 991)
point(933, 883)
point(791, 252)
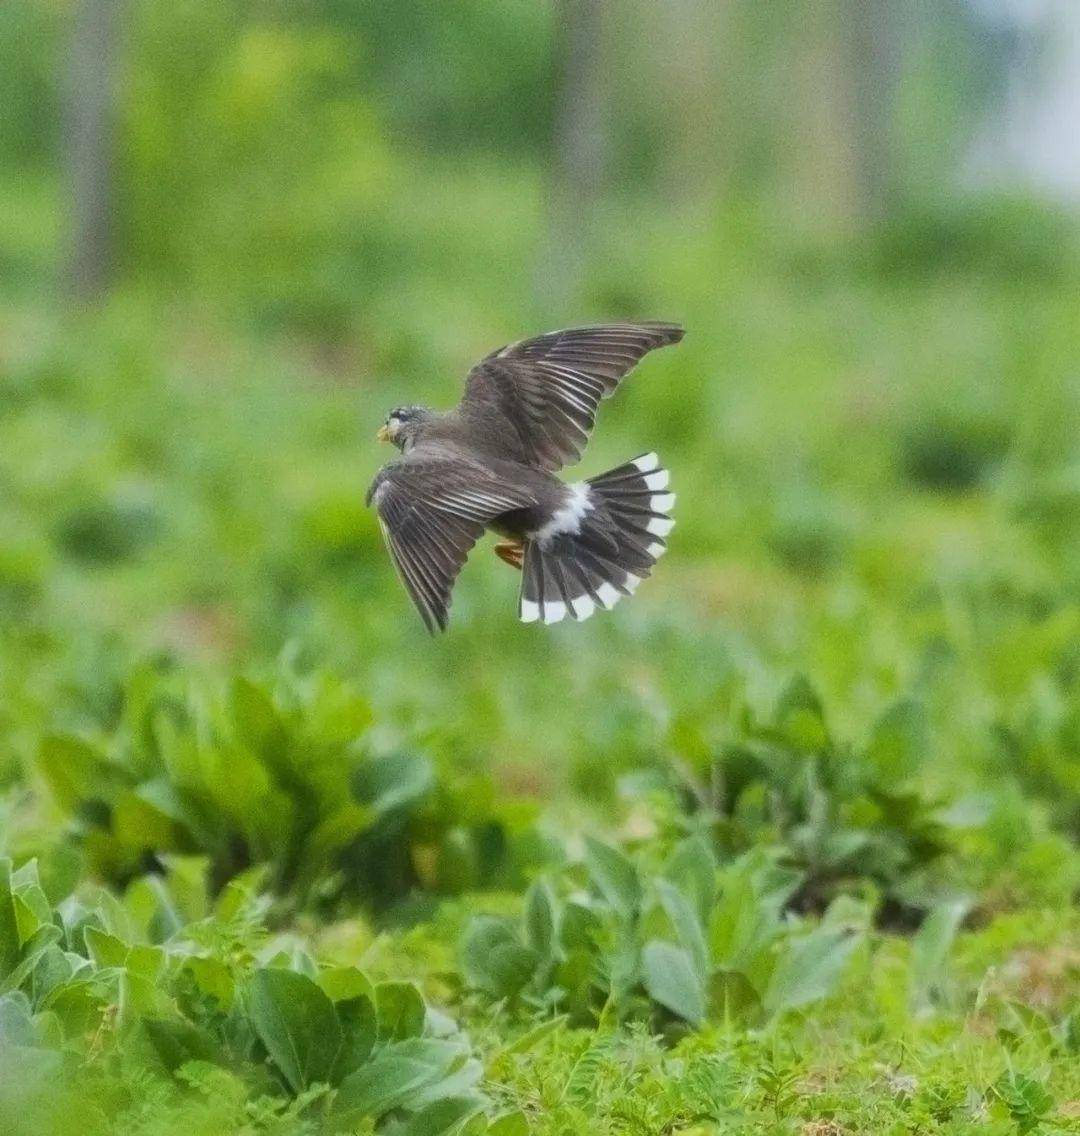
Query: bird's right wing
point(432, 511)
point(537, 399)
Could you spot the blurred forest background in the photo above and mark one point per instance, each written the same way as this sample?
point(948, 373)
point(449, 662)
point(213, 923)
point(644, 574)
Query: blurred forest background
point(232, 234)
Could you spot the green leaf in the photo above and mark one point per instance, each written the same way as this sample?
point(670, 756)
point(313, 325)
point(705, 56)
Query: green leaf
point(76, 772)
point(177, 1042)
point(692, 868)
point(900, 741)
point(393, 1075)
point(342, 983)
point(296, 1022)
point(105, 949)
point(359, 1030)
point(509, 1124)
point(672, 981)
point(616, 877)
point(532, 1038)
point(684, 919)
point(10, 944)
point(809, 969)
point(258, 723)
point(540, 932)
point(442, 1116)
point(393, 781)
point(214, 979)
point(494, 959)
point(799, 716)
point(732, 997)
point(399, 1010)
point(930, 950)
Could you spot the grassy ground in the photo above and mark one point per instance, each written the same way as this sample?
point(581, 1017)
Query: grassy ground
point(787, 844)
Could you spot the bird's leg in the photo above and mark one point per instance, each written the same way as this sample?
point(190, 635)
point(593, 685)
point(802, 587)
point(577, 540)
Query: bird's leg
point(511, 552)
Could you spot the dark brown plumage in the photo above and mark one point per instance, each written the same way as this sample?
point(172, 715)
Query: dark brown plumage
point(527, 410)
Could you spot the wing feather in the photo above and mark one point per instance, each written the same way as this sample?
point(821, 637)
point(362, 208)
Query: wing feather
point(535, 400)
point(431, 512)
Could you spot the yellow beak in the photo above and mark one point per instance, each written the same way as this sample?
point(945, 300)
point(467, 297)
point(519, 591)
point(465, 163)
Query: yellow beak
point(383, 435)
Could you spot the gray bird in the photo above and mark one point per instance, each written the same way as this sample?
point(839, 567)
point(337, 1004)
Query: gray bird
point(527, 410)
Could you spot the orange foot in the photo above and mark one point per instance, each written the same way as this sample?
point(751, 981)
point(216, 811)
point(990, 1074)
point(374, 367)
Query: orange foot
point(512, 552)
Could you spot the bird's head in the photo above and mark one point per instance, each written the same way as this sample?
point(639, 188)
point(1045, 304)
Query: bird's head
point(403, 425)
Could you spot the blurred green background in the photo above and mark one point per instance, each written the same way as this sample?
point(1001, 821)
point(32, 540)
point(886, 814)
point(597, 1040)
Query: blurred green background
point(233, 234)
point(844, 714)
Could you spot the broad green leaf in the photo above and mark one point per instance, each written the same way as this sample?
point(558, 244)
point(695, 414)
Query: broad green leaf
point(692, 868)
point(615, 876)
point(809, 969)
point(341, 983)
point(105, 949)
point(258, 723)
point(900, 741)
point(732, 997)
point(684, 920)
point(671, 980)
point(442, 1116)
point(540, 931)
point(10, 944)
point(533, 1037)
point(176, 1042)
point(799, 716)
point(494, 959)
point(76, 773)
point(296, 1022)
point(214, 979)
point(399, 1010)
point(33, 950)
point(393, 781)
point(930, 950)
point(359, 1030)
point(509, 1124)
point(16, 1020)
point(393, 1075)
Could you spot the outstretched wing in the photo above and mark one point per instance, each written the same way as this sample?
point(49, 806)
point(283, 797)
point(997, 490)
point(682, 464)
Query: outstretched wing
point(432, 511)
point(535, 400)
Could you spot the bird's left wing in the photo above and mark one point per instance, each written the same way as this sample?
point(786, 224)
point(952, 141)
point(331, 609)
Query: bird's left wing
point(535, 401)
point(432, 511)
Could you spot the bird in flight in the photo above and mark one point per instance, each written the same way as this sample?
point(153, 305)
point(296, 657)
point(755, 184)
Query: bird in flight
point(490, 463)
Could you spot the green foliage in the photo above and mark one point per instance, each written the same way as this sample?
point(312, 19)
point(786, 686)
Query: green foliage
point(696, 944)
point(843, 816)
point(94, 977)
point(282, 778)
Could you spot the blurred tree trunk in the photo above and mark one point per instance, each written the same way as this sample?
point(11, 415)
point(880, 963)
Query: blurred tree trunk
point(579, 151)
point(844, 112)
point(869, 28)
point(90, 142)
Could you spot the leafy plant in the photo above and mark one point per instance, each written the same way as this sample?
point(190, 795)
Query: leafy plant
point(843, 816)
point(282, 777)
point(694, 943)
point(96, 973)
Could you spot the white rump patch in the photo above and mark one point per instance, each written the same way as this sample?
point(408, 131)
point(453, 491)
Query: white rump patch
point(656, 549)
point(568, 518)
point(530, 612)
point(657, 480)
point(647, 462)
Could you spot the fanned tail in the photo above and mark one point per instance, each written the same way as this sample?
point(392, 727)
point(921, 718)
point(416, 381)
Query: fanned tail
point(611, 535)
